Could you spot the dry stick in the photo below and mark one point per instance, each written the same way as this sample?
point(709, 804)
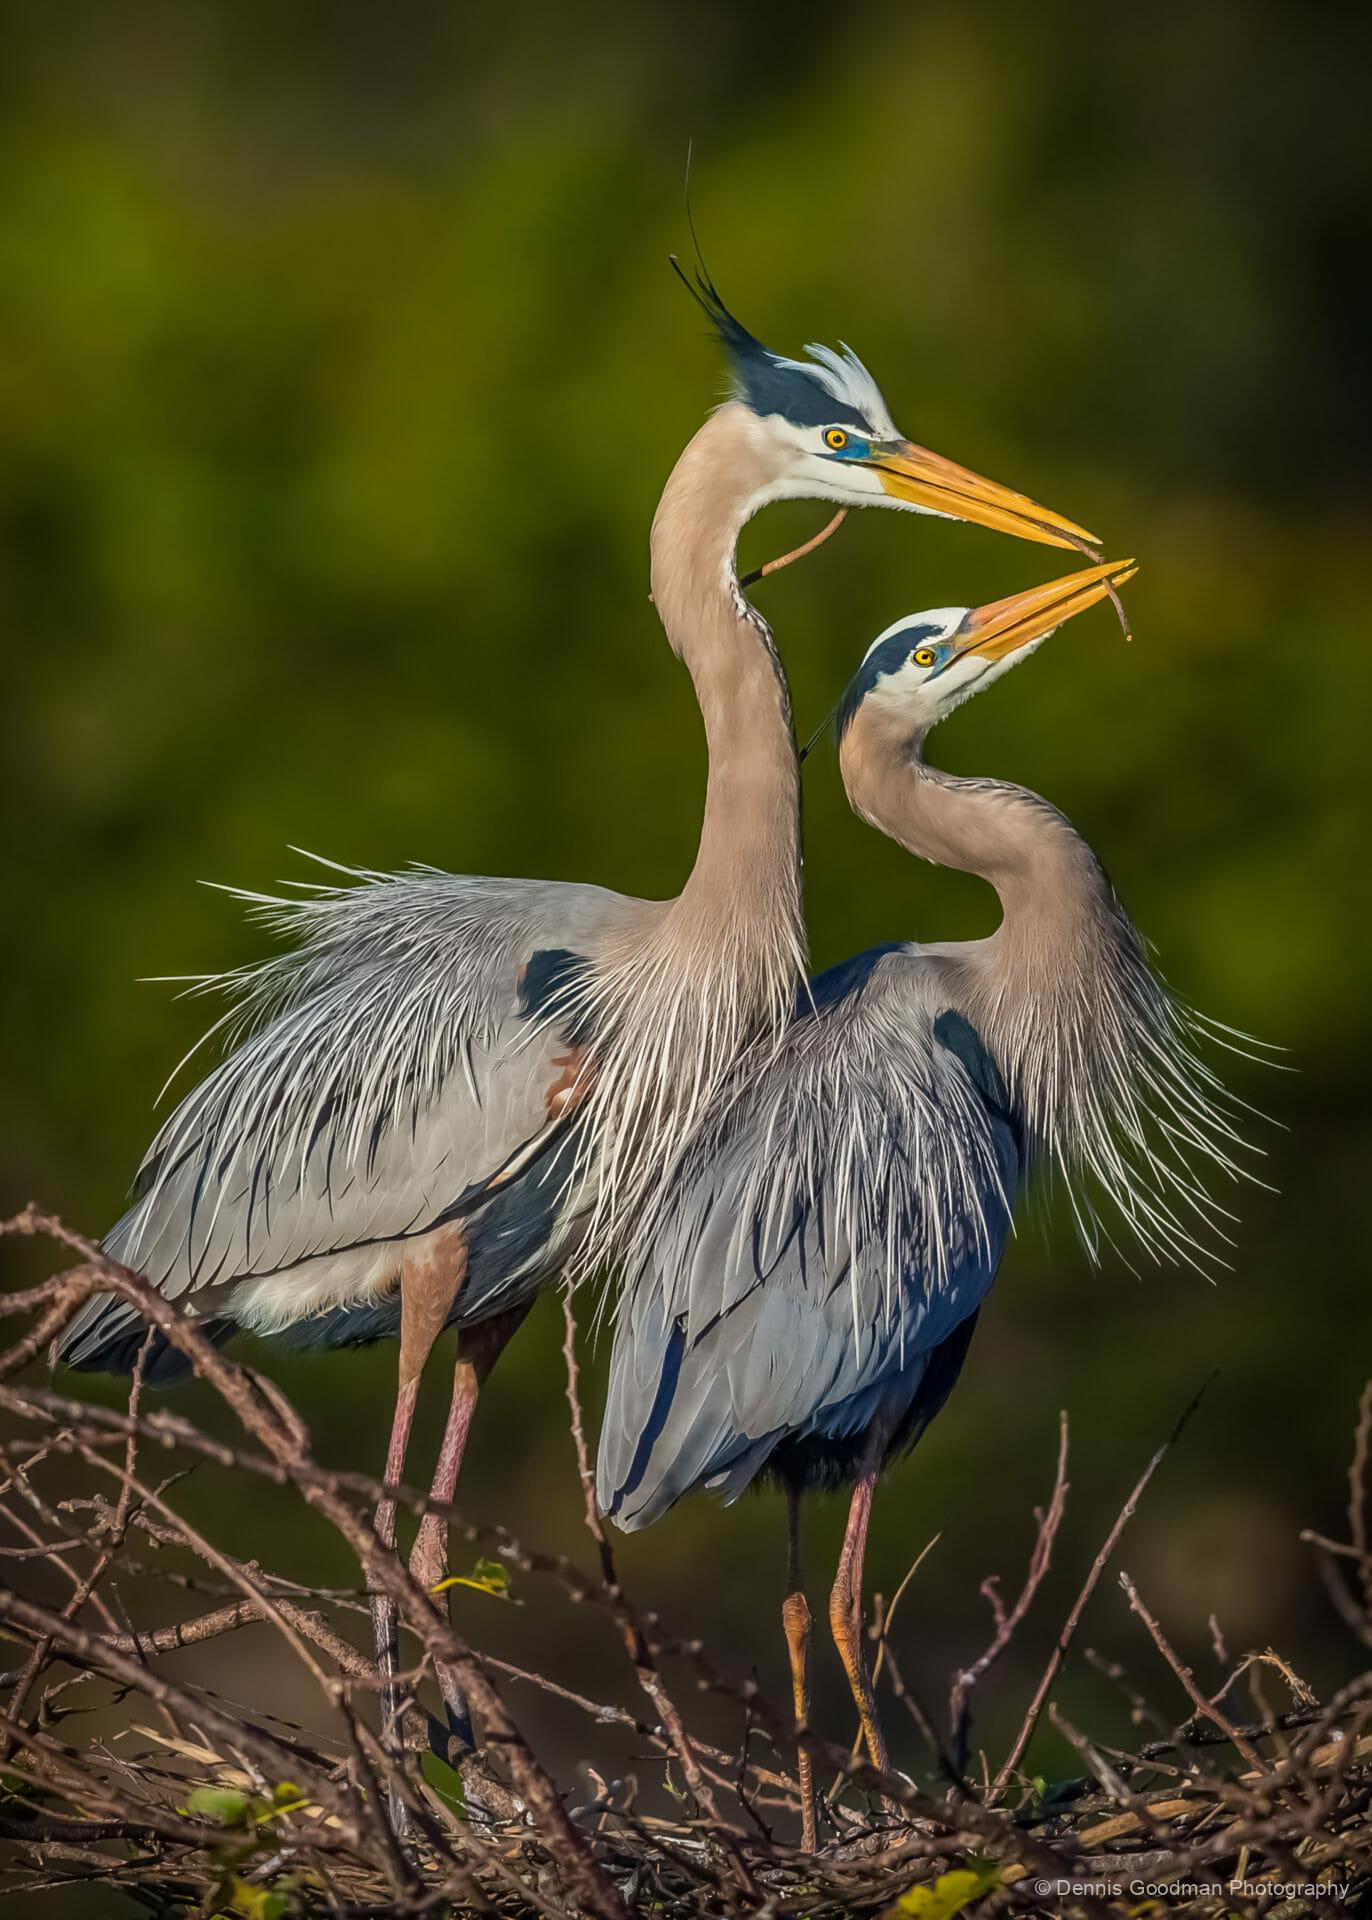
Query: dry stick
point(266, 1749)
point(240, 1613)
point(131, 1814)
point(630, 1627)
point(83, 1589)
point(237, 1573)
point(884, 1632)
point(1357, 1495)
point(1095, 1760)
point(746, 1694)
point(281, 1438)
point(924, 1725)
point(1068, 1634)
point(1340, 1549)
point(245, 1612)
point(959, 1699)
point(374, 1805)
point(1347, 1608)
point(308, 1478)
point(286, 1464)
point(1141, 1709)
point(120, 1522)
point(66, 1294)
point(1205, 1709)
point(312, 1626)
point(621, 1717)
point(186, 1635)
point(172, 1429)
point(796, 553)
point(55, 1551)
point(1301, 1691)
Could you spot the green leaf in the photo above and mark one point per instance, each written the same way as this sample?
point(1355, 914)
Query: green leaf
point(487, 1576)
point(224, 1804)
point(255, 1903)
point(948, 1895)
point(446, 1782)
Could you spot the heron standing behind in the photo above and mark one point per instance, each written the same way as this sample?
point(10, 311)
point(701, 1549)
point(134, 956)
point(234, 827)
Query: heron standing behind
point(384, 1149)
point(809, 1295)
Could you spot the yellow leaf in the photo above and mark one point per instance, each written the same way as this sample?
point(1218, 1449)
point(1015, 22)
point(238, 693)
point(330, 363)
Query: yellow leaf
point(487, 1576)
point(256, 1903)
point(948, 1895)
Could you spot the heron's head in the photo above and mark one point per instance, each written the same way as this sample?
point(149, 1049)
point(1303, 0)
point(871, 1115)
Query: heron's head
point(913, 675)
point(832, 438)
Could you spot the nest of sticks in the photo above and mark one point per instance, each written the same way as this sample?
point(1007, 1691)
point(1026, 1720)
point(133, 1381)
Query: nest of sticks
point(195, 1805)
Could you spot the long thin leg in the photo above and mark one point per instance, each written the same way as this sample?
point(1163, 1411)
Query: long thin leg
point(795, 1623)
point(480, 1347)
point(430, 1276)
point(845, 1601)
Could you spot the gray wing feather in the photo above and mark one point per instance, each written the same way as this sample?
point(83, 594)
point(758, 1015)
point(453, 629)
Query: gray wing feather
point(821, 1240)
point(385, 1069)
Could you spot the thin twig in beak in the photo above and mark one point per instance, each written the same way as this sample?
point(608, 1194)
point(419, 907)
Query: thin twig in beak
point(796, 553)
point(1092, 553)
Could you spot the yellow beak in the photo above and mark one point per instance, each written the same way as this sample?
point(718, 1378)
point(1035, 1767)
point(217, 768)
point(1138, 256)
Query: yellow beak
point(1004, 626)
point(925, 479)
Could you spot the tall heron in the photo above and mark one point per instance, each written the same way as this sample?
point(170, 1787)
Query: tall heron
point(384, 1149)
point(810, 1290)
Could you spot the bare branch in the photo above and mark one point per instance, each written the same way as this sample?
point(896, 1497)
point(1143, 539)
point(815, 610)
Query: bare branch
point(1206, 1709)
point(1047, 1522)
point(1068, 1634)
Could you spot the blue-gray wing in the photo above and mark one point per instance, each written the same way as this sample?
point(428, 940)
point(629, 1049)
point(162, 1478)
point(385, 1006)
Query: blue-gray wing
point(387, 1069)
point(827, 1234)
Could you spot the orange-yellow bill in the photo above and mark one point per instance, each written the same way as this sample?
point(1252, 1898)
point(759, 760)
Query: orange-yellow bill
point(925, 479)
point(1005, 625)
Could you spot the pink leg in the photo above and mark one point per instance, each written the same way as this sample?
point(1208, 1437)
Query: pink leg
point(407, 1396)
point(481, 1346)
point(430, 1275)
point(429, 1555)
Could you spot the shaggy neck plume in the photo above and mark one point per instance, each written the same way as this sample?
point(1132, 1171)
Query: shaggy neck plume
point(1099, 1058)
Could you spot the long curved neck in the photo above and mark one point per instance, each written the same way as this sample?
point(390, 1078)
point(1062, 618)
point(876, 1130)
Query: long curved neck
point(1099, 1059)
point(686, 987)
point(1054, 990)
point(744, 891)
point(1053, 892)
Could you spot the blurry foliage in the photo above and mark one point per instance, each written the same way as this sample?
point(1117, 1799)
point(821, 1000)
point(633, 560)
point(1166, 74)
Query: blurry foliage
point(340, 367)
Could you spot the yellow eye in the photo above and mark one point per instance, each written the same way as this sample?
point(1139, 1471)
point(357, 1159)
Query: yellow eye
point(836, 439)
point(924, 656)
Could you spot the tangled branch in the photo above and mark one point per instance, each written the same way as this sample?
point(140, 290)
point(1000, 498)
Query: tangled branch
point(201, 1805)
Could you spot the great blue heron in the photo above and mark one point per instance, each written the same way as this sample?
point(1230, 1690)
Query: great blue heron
point(374, 1156)
point(815, 1273)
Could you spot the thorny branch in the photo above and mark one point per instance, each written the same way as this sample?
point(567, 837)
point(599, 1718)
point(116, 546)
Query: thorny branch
point(199, 1804)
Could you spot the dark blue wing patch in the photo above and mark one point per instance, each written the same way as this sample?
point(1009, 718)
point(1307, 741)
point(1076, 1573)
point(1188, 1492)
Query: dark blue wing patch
point(550, 984)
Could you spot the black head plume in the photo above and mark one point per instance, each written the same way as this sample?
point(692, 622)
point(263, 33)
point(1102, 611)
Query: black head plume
point(766, 381)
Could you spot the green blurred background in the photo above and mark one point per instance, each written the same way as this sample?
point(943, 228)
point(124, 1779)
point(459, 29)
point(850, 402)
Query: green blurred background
point(340, 367)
